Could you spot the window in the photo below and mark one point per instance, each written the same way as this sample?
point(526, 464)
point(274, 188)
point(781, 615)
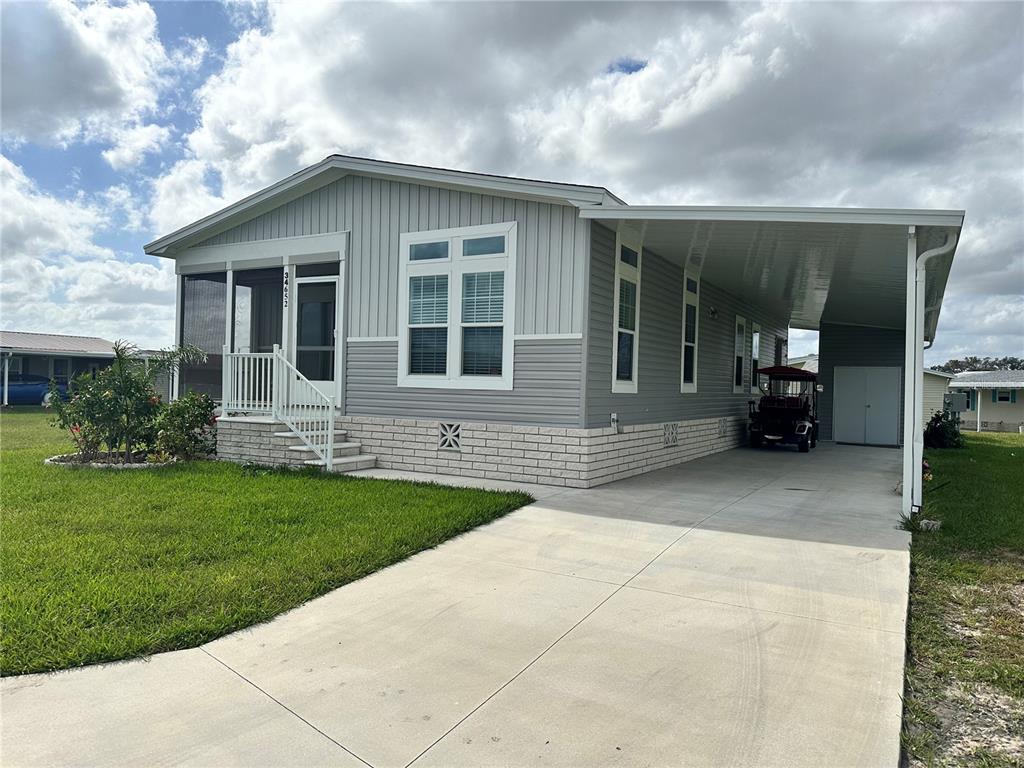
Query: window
point(1003, 396)
point(755, 358)
point(691, 311)
point(739, 354)
point(626, 314)
point(60, 370)
point(456, 308)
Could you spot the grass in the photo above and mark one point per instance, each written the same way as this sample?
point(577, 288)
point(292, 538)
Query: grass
point(964, 700)
point(104, 565)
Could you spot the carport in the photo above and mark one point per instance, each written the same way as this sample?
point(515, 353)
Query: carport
point(870, 281)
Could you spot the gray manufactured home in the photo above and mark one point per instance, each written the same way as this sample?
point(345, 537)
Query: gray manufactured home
point(363, 313)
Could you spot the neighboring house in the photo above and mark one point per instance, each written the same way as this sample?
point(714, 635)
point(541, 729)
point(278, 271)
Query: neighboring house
point(56, 357)
point(995, 399)
point(806, 363)
point(537, 331)
point(936, 385)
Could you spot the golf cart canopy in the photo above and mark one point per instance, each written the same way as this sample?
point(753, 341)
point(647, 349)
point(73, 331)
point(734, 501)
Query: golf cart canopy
point(785, 373)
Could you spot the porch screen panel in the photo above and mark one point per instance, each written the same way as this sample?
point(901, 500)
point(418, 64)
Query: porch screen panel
point(258, 309)
point(203, 309)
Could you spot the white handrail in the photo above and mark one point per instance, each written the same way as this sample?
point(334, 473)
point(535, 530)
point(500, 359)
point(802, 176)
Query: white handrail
point(247, 382)
point(266, 382)
point(307, 411)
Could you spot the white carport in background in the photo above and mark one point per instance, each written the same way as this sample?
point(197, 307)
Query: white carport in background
point(870, 267)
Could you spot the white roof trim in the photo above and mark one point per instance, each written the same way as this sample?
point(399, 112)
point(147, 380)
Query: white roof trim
point(339, 165)
point(1019, 384)
point(799, 215)
point(943, 374)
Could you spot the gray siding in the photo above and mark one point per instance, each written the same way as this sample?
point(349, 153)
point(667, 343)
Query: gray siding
point(661, 306)
point(854, 345)
point(553, 246)
point(546, 389)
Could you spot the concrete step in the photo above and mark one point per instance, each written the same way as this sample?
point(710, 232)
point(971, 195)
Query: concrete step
point(347, 463)
point(340, 449)
point(290, 438)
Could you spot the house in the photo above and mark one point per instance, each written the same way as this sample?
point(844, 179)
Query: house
point(936, 385)
point(804, 363)
point(995, 399)
point(511, 328)
point(56, 357)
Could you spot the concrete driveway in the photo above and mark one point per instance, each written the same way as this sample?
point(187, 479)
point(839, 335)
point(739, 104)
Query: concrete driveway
point(743, 609)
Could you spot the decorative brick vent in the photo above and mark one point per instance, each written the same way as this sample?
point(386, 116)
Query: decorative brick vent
point(671, 435)
point(449, 437)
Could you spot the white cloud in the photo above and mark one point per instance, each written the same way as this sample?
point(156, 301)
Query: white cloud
point(57, 278)
point(91, 72)
point(131, 144)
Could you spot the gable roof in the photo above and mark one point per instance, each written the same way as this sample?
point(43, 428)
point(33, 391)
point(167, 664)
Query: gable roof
point(52, 343)
point(335, 167)
point(943, 374)
point(989, 380)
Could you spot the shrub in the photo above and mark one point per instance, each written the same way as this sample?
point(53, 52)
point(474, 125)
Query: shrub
point(116, 410)
point(943, 431)
point(186, 428)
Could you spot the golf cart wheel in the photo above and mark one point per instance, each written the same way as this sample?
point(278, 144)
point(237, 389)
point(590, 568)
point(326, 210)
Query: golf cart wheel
point(46, 400)
point(805, 446)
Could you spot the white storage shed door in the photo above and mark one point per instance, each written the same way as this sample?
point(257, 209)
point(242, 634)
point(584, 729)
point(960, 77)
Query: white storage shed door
point(866, 405)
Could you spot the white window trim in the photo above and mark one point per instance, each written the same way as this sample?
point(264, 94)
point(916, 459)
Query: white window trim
point(739, 389)
point(755, 332)
point(455, 266)
point(624, 270)
point(691, 300)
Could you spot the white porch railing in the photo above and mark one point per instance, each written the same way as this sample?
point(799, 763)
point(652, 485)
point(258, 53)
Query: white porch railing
point(267, 383)
point(248, 382)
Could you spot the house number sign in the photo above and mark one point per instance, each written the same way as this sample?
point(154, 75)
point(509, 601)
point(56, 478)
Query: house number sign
point(286, 288)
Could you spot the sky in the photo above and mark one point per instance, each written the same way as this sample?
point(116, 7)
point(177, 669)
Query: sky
point(120, 122)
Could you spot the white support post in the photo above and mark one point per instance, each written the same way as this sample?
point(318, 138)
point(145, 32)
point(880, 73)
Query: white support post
point(977, 402)
point(286, 287)
point(910, 336)
point(7, 373)
point(176, 370)
point(275, 388)
point(229, 308)
point(919, 384)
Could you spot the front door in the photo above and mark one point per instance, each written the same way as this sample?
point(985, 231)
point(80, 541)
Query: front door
point(314, 332)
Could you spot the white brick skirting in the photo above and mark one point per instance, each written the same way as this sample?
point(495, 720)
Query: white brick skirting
point(580, 458)
point(252, 440)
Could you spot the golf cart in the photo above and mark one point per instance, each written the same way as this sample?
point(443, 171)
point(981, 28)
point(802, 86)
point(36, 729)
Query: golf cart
point(787, 412)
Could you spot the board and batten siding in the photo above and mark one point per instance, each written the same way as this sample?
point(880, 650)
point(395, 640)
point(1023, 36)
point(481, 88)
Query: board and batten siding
point(854, 345)
point(934, 390)
point(553, 246)
point(547, 389)
point(658, 398)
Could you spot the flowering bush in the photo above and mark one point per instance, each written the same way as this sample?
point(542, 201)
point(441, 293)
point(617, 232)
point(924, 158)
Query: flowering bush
point(187, 427)
point(116, 410)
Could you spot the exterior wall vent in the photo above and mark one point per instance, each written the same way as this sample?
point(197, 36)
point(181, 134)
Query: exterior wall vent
point(449, 437)
point(671, 435)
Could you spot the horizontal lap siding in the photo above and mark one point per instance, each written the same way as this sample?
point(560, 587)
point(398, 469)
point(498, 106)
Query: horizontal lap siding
point(854, 345)
point(659, 348)
point(553, 246)
point(546, 390)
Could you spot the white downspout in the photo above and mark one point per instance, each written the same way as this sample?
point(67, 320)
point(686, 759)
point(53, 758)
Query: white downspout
point(918, 423)
point(909, 336)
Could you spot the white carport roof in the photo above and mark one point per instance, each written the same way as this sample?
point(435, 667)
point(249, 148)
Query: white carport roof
point(811, 265)
point(24, 343)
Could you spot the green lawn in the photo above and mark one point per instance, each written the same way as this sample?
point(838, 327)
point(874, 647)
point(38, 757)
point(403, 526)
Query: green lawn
point(965, 673)
point(102, 565)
